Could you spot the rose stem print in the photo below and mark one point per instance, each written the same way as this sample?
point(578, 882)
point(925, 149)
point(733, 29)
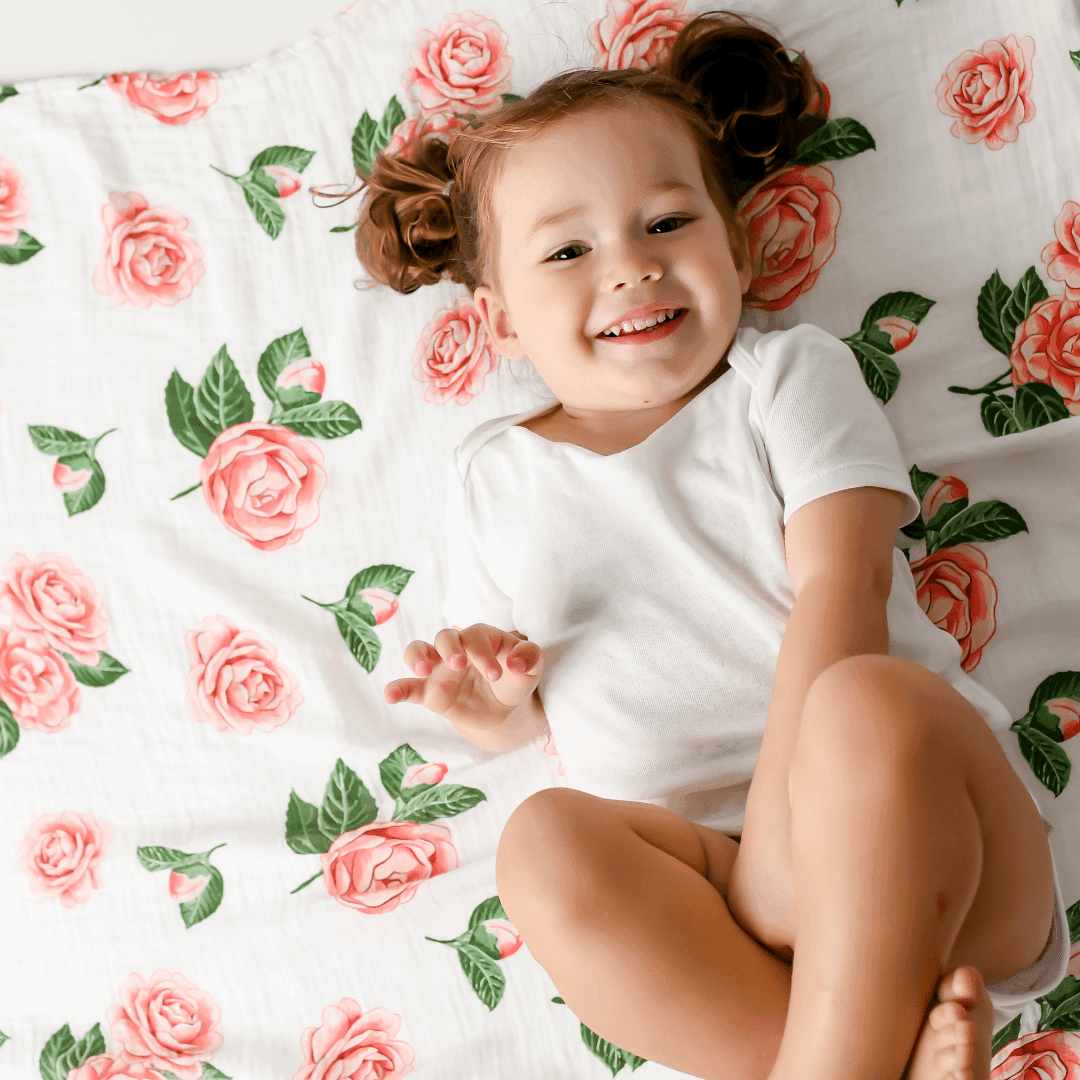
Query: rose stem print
point(600, 232)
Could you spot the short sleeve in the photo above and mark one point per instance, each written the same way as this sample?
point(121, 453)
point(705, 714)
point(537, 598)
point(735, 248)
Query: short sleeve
point(471, 594)
point(824, 431)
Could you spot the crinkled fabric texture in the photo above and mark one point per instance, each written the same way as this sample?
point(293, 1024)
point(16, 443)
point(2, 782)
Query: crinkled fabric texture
point(223, 479)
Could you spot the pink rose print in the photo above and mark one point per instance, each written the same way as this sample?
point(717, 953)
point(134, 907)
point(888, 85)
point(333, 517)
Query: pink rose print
point(383, 602)
point(308, 374)
point(989, 92)
point(288, 181)
point(505, 933)
point(901, 331)
point(50, 596)
point(946, 489)
point(113, 1067)
point(13, 202)
point(172, 99)
point(463, 65)
point(1062, 255)
point(36, 683)
point(375, 868)
point(183, 888)
point(636, 33)
point(235, 682)
point(1068, 713)
point(549, 748)
point(351, 1044)
point(264, 481)
point(454, 354)
point(407, 135)
point(959, 596)
point(1053, 1053)
point(791, 218)
point(1046, 349)
point(167, 1023)
point(431, 772)
point(66, 479)
point(146, 256)
point(62, 854)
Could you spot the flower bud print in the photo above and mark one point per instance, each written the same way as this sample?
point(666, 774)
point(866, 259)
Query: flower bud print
point(288, 180)
point(505, 934)
point(383, 603)
point(901, 331)
point(69, 480)
point(1067, 711)
point(946, 489)
point(431, 772)
point(13, 202)
point(301, 383)
point(185, 889)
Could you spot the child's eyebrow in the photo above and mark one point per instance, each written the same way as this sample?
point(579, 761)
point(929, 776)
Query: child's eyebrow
point(561, 215)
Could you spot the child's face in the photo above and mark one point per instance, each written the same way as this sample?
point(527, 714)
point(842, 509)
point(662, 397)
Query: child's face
point(565, 283)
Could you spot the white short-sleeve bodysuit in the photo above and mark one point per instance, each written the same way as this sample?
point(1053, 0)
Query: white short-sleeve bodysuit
point(654, 580)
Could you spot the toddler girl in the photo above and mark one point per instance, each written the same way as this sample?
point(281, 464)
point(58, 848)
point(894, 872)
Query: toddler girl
point(692, 547)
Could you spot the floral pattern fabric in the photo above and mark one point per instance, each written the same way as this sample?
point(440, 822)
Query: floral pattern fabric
point(221, 853)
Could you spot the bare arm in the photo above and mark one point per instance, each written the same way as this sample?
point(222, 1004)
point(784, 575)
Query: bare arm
point(523, 725)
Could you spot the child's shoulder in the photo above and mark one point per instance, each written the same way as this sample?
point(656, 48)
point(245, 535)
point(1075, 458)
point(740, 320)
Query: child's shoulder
point(468, 448)
point(758, 356)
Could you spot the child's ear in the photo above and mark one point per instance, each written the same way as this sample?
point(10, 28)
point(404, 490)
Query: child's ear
point(496, 320)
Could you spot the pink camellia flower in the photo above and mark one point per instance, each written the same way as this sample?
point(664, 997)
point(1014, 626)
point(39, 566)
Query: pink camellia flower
point(901, 331)
point(375, 868)
point(114, 1067)
point(1062, 254)
point(288, 181)
point(36, 682)
point(431, 772)
point(68, 480)
point(989, 91)
point(62, 854)
point(351, 1044)
point(959, 596)
point(50, 596)
point(1067, 710)
point(383, 603)
point(454, 354)
point(172, 99)
point(505, 933)
point(308, 374)
point(183, 888)
point(146, 256)
point(1046, 348)
point(945, 489)
point(791, 218)
point(405, 138)
point(235, 682)
point(1053, 1053)
point(264, 481)
point(636, 33)
point(13, 202)
point(168, 1023)
point(463, 65)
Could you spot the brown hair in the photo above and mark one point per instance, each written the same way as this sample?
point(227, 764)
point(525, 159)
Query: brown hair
point(743, 101)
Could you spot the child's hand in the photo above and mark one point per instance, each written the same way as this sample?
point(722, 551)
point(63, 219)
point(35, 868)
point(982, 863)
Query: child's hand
point(456, 684)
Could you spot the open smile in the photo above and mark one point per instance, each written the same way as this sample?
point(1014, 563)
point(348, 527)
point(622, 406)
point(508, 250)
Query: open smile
point(653, 333)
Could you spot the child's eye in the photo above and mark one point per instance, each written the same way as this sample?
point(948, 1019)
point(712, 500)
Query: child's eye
point(679, 221)
point(569, 247)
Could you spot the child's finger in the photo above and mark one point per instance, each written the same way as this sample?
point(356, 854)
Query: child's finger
point(402, 690)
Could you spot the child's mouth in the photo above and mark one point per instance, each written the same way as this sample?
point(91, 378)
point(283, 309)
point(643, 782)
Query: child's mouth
point(651, 333)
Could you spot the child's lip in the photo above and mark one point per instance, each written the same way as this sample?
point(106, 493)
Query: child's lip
point(653, 333)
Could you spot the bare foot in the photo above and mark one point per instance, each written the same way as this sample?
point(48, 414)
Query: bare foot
point(954, 1042)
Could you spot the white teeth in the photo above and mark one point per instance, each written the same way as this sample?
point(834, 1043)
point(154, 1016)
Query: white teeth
point(631, 326)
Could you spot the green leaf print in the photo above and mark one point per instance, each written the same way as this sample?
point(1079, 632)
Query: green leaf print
point(841, 138)
point(879, 369)
point(1011, 1030)
point(62, 1053)
point(222, 399)
point(209, 1072)
point(292, 157)
point(439, 801)
point(56, 441)
point(1062, 684)
point(26, 247)
point(9, 730)
point(268, 214)
point(370, 137)
point(109, 669)
point(363, 642)
point(904, 305)
point(611, 1055)
point(997, 415)
point(484, 974)
point(5, 93)
point(322, 420)
point(1028, 292)
point(90, 493)
point(347, 804)
point(993, 297)
point(1038, 404)
point(921, 481)
point(302, 827)
point(206, 903)
point(155, 858)
point(184, 420)
point(260, 189)
point(381, 576)
point(1048, 761)
point(988, 520)
point(277, 356)
point(392, 770)
point(1073, 56)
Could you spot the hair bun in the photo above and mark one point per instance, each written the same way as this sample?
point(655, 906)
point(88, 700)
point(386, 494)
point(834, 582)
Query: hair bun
point(754, 95)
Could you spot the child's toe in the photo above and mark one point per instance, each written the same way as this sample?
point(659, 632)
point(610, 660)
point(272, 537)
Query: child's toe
point(949, 1012)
